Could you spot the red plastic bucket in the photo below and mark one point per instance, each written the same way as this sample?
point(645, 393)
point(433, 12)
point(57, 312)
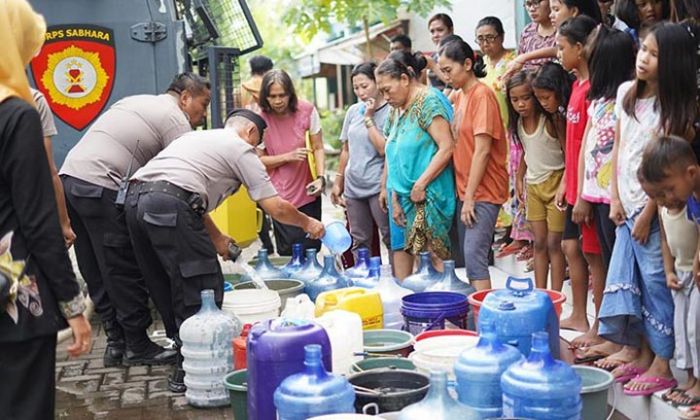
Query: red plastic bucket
point(442, 333)
point(477, 298)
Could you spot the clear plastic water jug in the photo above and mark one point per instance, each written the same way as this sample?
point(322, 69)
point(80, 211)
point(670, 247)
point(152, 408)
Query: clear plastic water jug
point(438, 404)
point(541, 387)
point(425, 276)
point(206, 347)
point(372, 279)
point(361, 267)
point(344, 329)
point(391, 294)
point(311, 269)
point(296, 263)
point(479, 370)
point(313, 392)
point(449, 282)
point(329, 279)
point(264, 268)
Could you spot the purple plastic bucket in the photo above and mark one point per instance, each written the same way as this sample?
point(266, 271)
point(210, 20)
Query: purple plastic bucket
point(434, 311)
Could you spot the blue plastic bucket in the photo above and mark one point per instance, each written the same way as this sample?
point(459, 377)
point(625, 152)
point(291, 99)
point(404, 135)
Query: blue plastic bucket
point(433, 310)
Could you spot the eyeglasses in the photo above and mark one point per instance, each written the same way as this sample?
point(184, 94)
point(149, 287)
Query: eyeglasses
point(485, 39)
point(532, 4)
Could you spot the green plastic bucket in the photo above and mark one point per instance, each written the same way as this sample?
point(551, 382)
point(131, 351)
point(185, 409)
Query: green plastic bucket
point(233, 278)
point(380, 343)
point(237, 384)
point(594, 391)
point(383, 363)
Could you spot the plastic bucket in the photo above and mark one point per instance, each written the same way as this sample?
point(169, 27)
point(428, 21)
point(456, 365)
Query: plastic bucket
point(237, 384)
point(337, 238)
point(233, 278)
point(277, 261)
point(477, 298)
point(594, 391)
point(440, 353)
point(383, 363)
point(431, 311)
point(251, 306)
point(287, 288)
point(387, 342)
point(442, 333)
point(394, 389)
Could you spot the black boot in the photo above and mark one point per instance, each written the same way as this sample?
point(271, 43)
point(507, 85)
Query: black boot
point(114, 350)
point(149, 354)
point(176, 380)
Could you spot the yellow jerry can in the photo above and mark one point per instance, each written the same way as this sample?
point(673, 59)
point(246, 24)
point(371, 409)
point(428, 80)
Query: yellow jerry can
point(239, 218)
point(366, 303)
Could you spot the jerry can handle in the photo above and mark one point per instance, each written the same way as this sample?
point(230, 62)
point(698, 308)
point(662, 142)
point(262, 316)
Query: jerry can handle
point(520, 292)
point(259, 216)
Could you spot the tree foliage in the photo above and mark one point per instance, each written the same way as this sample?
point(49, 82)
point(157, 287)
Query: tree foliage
point(310, 17)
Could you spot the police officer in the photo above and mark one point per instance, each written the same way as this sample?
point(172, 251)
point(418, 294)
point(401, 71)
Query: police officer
point(175, 241)
point(122, 140)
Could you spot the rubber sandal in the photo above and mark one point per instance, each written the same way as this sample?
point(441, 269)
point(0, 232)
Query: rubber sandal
point(616, 364)
point(629, 372)
point(665, 396)
point(657, 384)
point(509, 249)
point(692, 400)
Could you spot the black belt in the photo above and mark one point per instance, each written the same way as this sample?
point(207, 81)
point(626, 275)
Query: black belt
point(193, 200)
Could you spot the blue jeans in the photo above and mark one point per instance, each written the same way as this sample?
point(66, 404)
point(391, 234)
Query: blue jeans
point(636, 302)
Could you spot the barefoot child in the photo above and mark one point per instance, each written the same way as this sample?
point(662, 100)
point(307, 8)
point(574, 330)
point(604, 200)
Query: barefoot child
point(542, 167)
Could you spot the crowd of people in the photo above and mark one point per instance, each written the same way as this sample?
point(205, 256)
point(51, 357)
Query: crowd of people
point(546, 141)
point(581, 144)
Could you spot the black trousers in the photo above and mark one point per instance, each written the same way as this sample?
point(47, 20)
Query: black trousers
point(28, 384)
point(606, 231)
point(106, 258)
point(175, 253)
point(287, 235)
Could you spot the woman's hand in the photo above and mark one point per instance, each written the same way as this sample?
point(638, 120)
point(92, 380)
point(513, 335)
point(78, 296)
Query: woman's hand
point(468, 215)
point(370, 107)
point(397, 212)
point(617, 212)
point(520, 190)
point(512, 68)
point(296, 155)
point(640, 231)
point(383, 200)
point(582, 212)
point(337, 195)
point(418, 193)
point(559, 198)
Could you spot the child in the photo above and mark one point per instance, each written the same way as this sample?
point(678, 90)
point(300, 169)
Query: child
point(552, 88)
point(571, 40)
point(637, 308)
point(542, 166)
point(611, 64)
point(670, 175)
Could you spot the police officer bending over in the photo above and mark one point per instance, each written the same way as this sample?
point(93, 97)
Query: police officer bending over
point(175, 240)
point(122, 140)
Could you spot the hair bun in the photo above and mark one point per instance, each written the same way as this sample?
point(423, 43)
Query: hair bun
point(420, 62)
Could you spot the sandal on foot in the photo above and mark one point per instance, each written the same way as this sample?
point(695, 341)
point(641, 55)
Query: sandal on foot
point(614, 364)
point(656, 383)
point(694, 410)
point(628, 372)
point(509, 249)
point(666, 396)
point(688, 400)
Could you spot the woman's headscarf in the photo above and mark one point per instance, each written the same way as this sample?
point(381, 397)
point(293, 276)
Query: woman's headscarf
point(21, 36)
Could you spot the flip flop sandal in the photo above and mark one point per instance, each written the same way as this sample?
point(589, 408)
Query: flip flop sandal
point(666, 395)
point(691, 400)
point(588, 359)
point(657, 384)
point(615, 364)
point(509, 249)
point(629, 372)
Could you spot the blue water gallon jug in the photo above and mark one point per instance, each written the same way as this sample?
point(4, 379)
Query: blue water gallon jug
point(424, 277)
point(519, 312)
point(329, 279)
point(265, 269)
point(311, 269)
point(206, 347)
point(479, 370)
point(372, 279)
point(438, 404)
point(275, 352)
point(313, 392)
point(449, 282)
point(361, 267)
point(296, 263)
point(541, 387)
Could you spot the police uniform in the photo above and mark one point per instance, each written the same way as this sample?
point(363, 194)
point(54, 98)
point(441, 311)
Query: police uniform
point(128, 135)
point(164, 211)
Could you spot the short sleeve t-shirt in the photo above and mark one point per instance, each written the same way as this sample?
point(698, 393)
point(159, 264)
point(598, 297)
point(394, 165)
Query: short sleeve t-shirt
point(598, 151)
point(103, 155)
point(531, 40)
point(286, 133)
point(212, 163)
point(576, 119)
point(363, 172)
point(48, 125)
point(477, 112)
point(635, 133)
